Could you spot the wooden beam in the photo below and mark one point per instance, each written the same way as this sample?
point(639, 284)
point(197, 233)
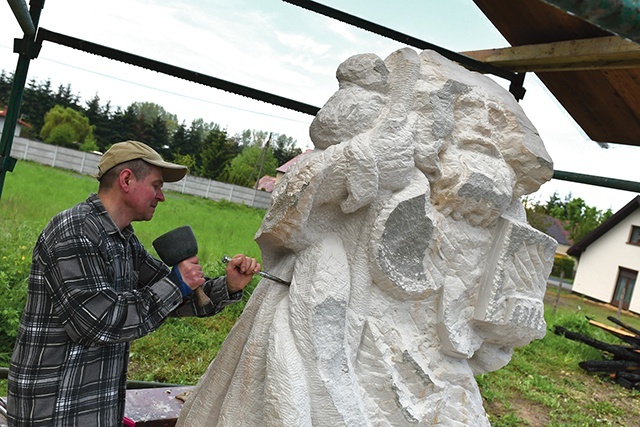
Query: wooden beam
point(587, 54)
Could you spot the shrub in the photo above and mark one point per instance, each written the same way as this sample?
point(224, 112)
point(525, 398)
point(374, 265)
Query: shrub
point(15, 259)
point(563, 264)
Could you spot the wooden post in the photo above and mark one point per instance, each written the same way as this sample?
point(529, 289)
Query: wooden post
point(555, 303)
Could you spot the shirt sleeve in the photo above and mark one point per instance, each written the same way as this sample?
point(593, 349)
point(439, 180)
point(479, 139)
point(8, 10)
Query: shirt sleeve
point(217, 291)
point(152, 269)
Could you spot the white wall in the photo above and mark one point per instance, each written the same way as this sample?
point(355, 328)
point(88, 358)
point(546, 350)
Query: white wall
point(16, 131)
point(598, 266)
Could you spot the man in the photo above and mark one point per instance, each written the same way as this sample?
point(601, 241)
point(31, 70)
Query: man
point(93, 288)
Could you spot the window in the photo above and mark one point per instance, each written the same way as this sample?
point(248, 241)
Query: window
point(634, 239)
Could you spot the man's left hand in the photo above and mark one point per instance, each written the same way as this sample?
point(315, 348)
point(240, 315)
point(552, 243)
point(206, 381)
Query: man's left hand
point(240, 271)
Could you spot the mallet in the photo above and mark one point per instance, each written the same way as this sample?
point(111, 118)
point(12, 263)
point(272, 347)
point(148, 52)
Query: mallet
point(176, 246)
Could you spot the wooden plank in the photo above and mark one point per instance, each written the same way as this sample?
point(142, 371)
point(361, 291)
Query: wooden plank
point(586, 54)
point(615, 331)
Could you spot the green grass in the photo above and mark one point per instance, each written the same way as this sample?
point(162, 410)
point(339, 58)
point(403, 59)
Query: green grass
point(541, 386)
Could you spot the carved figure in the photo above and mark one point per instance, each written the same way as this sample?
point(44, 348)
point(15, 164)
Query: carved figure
point(412, 266)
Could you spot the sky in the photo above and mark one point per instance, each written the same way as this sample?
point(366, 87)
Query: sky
point(289, 51)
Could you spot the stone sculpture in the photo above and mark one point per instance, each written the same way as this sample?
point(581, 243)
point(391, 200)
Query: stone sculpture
point(412, 266)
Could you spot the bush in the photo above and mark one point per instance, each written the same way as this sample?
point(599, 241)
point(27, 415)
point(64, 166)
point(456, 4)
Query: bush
point(563, 264)
point(15, 259)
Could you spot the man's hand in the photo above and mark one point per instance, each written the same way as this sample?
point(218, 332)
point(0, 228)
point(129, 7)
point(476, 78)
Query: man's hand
point(191, 272)
point(240, 271)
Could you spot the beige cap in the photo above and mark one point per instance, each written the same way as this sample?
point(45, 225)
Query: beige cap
point(132, 150)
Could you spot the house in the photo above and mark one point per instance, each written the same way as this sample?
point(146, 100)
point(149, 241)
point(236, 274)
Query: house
point(609, 259)
point(19, 124)
point(557, 231)
point(266, 183)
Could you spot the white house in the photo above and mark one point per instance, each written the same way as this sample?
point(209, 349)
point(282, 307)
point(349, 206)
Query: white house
point(609, 259)
point(19, 124)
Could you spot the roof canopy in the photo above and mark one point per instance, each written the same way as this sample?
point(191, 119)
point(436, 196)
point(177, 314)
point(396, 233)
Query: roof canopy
point(593, 73)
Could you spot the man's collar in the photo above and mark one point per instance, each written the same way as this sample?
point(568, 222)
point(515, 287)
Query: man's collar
point(105, 219)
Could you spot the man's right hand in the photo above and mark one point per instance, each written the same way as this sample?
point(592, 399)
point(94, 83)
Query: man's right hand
point(191, 272)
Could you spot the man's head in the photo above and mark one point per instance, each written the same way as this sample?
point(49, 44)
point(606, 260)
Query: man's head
point(131, 175)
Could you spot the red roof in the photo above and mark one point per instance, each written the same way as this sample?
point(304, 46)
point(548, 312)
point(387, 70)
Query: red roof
point(266, 183)
point(287, 165)
point(3, 113)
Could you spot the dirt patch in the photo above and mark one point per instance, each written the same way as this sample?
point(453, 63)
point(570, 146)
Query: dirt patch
point(528, 412)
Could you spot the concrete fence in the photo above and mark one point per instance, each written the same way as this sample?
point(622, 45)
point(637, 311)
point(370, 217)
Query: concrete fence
point(87, 163)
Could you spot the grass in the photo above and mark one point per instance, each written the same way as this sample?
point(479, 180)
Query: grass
point(541, 386)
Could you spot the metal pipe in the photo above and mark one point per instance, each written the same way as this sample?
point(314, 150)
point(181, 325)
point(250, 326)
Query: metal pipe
point(621, 17)
point(600, 181)
point(27, 49)
point(21, 12)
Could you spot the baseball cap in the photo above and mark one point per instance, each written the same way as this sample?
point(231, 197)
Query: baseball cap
point(132, 150)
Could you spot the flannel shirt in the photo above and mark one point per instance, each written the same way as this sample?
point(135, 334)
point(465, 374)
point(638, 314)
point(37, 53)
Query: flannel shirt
point(92, 289)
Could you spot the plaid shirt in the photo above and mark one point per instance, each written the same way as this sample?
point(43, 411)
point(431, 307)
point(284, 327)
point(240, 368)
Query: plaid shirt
point(92, 290)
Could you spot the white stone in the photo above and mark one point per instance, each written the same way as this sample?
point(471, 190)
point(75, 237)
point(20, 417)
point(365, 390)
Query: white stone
point(412, 266)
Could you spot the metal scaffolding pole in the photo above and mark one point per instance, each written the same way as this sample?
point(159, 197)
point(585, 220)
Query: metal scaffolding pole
point(618, 184)
point(20, 11)
point(27, 49)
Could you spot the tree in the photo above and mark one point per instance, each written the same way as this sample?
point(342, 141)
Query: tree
point(151, 111)
point(37, 100)
point(154, 115)
point(100, 118)
point(204, 146)
point(194, 139)
point(124, 125)
point(243, 169)
point(579, 219)
point(67, 127)
point(217, 153)
point(159, 138)
point(582, 219)
point(66, 98)
point(178, 140)
point(537, 215)
point(6, 81)
point(284, 149)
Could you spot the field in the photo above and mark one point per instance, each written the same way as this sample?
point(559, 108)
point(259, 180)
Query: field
point(542, 386)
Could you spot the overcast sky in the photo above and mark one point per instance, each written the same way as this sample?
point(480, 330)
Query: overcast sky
point(280, 48)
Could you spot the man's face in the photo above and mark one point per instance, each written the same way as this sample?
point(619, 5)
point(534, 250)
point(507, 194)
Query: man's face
point(145, 195)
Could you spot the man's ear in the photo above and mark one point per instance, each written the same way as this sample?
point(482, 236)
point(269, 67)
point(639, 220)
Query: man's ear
point(125, 179)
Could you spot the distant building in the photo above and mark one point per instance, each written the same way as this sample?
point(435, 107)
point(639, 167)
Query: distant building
point(266, 183)
point(283, 169)
point(609, 259)
point(19, 124)
point(557, 231)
